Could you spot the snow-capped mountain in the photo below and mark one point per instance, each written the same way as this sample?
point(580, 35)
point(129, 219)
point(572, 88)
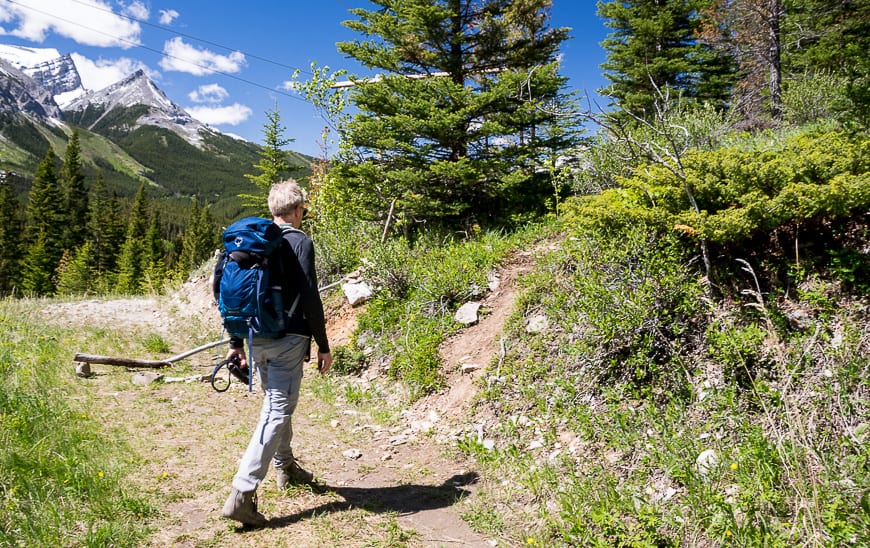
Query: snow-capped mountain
point(138, 90)
point(21, 93)
point(60, 80)
point(59, 76)
point(55, 72)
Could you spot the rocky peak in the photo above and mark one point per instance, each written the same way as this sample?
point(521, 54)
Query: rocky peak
point(21, 93)
point(138, 89)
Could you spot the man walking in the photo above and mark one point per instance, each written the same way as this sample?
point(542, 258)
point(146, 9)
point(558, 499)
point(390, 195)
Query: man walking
point(279, 362)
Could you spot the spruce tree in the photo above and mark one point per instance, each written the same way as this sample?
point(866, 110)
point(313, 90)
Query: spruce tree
point(38, 266)
point(155, 272)
point(200, 239)
point(78, 275)
point(273, 166)
point(44, 223)
point(10, 234)
point(654, 48)
point(75, 195)
point(131, 262)
point(105, 224)
point(823, 37)
point(456, 110)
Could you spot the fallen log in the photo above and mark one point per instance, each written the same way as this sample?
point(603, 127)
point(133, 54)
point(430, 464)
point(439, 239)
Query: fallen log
point(127, 362)
point(153, 364)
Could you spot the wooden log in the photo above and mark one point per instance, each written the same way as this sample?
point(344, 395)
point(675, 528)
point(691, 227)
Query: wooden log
point(127, 362)
point(154, 364)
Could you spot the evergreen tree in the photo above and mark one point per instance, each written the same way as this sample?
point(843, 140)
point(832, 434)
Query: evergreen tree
point(10, 234)
point(457, 110)
point(105, 231)
point(77, 275)
point(831, 37)
point(200, 239)
point(273, 166)
point(155, 272)
point(38, 267)
point(44, 222)
point(131, 263)
point(654, 47)
point(749, 32)
point(75, 195)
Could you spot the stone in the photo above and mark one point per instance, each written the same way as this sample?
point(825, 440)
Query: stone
point(467, 313)
point(537, 324)
point(83, 369)
point(352, 454)
point(356, 292)
point(707, 461)
point(144, 378)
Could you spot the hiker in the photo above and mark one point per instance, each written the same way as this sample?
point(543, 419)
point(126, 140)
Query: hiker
point(279, 362)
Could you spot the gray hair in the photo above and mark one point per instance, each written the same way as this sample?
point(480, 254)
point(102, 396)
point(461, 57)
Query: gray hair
point(285, 196)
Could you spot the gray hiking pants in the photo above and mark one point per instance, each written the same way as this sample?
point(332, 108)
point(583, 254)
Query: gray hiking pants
point(279, 366)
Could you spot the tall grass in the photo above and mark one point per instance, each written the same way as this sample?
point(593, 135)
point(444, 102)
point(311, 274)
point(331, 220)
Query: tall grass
point(60, 471)
point(648, 415)
point(419, 288)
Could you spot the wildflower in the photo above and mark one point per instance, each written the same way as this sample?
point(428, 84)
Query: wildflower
point(734, 466)
point(165, 474)
point(100, 473)
point(728, 533)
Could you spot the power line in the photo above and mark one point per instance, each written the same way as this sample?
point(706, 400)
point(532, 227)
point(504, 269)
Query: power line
point(203, 40)
point(161, 53)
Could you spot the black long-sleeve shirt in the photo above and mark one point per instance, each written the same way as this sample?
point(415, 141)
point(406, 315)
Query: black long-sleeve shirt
point(299, 279)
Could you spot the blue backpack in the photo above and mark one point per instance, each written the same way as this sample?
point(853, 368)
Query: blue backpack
point(250, 295)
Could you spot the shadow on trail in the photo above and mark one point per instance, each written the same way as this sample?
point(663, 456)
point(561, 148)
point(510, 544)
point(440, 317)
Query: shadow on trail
point(402, 499)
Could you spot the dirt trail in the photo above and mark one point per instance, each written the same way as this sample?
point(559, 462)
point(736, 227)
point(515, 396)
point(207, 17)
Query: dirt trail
point(404, 487)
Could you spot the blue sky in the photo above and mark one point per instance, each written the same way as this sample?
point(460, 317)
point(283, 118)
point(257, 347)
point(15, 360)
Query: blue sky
point(227, 62)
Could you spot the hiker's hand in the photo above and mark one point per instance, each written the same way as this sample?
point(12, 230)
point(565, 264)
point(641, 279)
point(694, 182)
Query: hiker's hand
point(324, 362)
point(240, 352)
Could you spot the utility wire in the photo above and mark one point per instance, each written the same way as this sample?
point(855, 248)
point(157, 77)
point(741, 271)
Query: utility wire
point(203, 40)
point(162, 53)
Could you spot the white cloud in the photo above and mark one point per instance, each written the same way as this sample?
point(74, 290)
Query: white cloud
point(137, 9)
point(182, 57)
point(88, 22)
point(105, 72)
point(209, 93)
point(232, 115)
point(167, 16)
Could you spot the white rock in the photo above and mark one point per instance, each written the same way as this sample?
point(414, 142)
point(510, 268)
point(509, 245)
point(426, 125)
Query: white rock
point(707, 461)
point(144, 378)
point(537, 323)
point(467, 313)
point(356, 292)
point(352, 454)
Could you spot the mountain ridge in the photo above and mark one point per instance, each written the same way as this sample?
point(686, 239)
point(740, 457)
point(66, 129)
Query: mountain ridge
point(131, 133)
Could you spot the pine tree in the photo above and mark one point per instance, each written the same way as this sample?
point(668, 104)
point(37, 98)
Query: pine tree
point(10, 234)
point(749, 32)
point(653, 48)
point(155, 271)
point(456, 110)
point(75, 195)
point(273, 166)
point(200, 239)
point(105, 231)
point(44, 222)
point(131, 263)
point(38, 267)
point(823, 37)
point(77, 275)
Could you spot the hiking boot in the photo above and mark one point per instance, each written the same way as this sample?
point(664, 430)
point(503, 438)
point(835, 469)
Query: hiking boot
point(242, 507)
point(292, 473)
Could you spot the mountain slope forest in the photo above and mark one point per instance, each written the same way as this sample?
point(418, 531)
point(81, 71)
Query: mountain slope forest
point(685, 357)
